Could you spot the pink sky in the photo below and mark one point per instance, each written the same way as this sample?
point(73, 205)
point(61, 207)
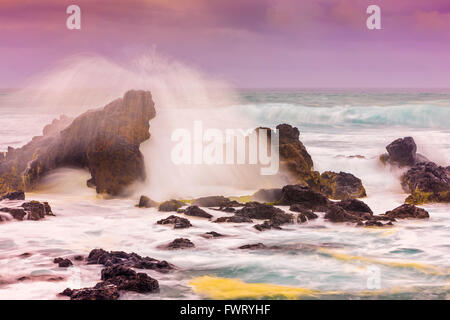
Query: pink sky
point(251, 43)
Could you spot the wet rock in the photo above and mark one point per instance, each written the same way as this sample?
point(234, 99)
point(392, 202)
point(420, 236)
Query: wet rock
point(16, 213)
point(63, 263)
point(427, 182)
point(306, 216)
point(407, 211)
point(105, 141)
point(78, 258)
point(402, 151)
point(171, 205)
point(37, 210)
point(17, 195)
point(226, 209)
point(341, 185)
point(267, 195)
point(255, 246)
point(267, 225)
point(303, 195)
point(177, 244)
point(336, 213)
point(177, 222)
point(305, 212)
point(130, 260)
point(127, 279)
point(146, 202)
point(234, 219)
point(256, 210)
point(212, 234)
point(195, 211)
point(106, 292)
point(355, 206)
point(215, 201)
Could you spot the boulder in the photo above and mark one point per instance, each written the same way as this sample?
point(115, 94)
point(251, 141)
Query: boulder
point(341, 185)
point(16, 213)
point(171, 205)
point(179, 243)
point(234, 219)
point(355, 206)
point(195, 211)
point(212, 234)
point(336, 213)
point(146, 202)
point(402, 152)
point(303, 195)
point(106, 292)
point(215, 201)
point(105, 141)
point(407, 211)
point(178, 222)
point(63, 262)
point(427, 182)
point(127, 279)
point(32, 210)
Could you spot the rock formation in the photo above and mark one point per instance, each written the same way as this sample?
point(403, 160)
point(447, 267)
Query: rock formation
point(105, 141)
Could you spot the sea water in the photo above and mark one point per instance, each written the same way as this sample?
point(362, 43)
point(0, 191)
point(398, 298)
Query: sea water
point(343, 131)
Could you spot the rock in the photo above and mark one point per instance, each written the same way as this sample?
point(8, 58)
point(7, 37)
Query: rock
point(256, 246)
point(63, 263)
point(303, 195)
point(37, 210)
point(355, 206)
point(234, 219)
point(212, 234)
point(146, 202)
point(341, 185)
point(402, 151)
point(171, 205)
point(105, 141)
point(17, 195)
point(195, 211)
point(336, 213)
point(305, 213)
point(107, 292)
point(256, 210)
point(215, 201)
point(178, 222)
point(227, 209)
point(130, 260)
point(267, 195)
point(372, 223)
point(267, 225)
point(16, 213)
point(127, 279)
point(406, 211)
point(427, 182)
point(179, 243)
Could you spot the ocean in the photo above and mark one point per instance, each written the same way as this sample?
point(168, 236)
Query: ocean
point(342, 131)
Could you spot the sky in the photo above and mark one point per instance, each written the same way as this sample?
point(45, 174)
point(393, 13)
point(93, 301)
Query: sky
point(249, 43)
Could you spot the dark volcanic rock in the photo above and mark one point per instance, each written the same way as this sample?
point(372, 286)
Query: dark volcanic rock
point(146, 202)
point(267, 195)
point(105, 141)
point(212, 234)
point(267, 225)
point(336, 213)
point(178, 222)
point(107, 292)
point(215, 201)
point(17, 195)
point(427, 182)
point(341, 185)
point(406, 211)
point(305, 214)
point(131, 260)
point(255, 246)
point(171, 205)
point(227, 209)
point(179, 243)
point(63, 263)
point(234, 219)
point(127, 279)
point(195, 211)
point(402, 151)
point(32, 210)
point(16, 213)
point(305, 196)
point(256, 210)
point(355, 206)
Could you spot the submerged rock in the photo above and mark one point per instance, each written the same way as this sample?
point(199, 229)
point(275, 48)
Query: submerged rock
point(105, 141)
point(63, 262)
point(407, 211)
point(195, 211)
point(171, 205)
point(146, 202)
point(341, 185)
point(427, 182)
point(234, 219)
point(212, 234)
point(178, 222)
point(215, 201)
point(179, 243)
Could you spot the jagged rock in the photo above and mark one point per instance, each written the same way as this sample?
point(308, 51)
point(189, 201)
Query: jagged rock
point(267, 195)
point(105, 141)
point(302, 195)
point(62, 262)
point(107, 292)
point(127, 279)
point(17, 195)
point(131, 260)
point(215, 201)
point(178, 222)
point(305, 214)
point(146, 202)
point(255, 246)
point(234, 219)
point(256, 210)
point(32, 210)
point(171, 205)
point(226, 209)
point(341, 185)
point(402, 152)
point(267, 225)
point(406, 211)
point(336, 213)
point(195, 211)
point(427, 182)
point(16, 213)
point(355, 206)
point(179, 243)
